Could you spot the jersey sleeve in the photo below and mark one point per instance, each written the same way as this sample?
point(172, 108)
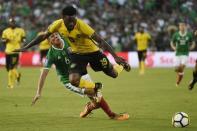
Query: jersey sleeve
point(54, 26)
point(49, 60)
point(4, 35)
point(85, 28)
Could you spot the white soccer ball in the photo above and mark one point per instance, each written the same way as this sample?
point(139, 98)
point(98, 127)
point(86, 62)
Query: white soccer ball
point(180, 119)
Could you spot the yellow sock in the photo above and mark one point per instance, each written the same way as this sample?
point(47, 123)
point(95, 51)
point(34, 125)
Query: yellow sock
point(142, 66)
point(118, 68)
point(16, 73)
point(11, 78)
point(86, 84)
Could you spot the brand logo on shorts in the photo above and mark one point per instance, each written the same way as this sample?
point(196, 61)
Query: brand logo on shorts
point(73, 65)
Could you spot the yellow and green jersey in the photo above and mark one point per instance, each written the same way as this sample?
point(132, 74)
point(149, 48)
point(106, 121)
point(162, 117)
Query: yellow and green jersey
point(79, 37)
point(59, 57)
point(182, 42)
point(14, 36)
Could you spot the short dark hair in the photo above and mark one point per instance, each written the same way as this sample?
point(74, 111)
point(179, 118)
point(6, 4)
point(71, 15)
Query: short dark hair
point(69, 10)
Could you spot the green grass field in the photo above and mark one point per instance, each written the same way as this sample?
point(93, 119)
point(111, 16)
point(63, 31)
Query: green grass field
point(151, 100)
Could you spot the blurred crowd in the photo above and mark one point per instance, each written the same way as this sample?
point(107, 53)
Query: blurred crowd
point(115, 20)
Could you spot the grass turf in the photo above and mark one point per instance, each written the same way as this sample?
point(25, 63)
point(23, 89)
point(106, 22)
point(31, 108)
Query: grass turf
point(151, 100)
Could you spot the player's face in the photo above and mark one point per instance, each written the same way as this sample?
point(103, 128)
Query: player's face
point(182, 27)
point(55, 39)
point(141, 29)
point(12, 24)
point(69, 22)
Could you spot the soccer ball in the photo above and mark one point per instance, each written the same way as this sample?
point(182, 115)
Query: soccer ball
point(180, 119)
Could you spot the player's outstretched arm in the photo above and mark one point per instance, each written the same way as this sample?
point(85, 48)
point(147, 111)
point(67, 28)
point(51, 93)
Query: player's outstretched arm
point(34, 42)
point(4, 40)
point(172, 46)
point(104, 45)
point(42, 78)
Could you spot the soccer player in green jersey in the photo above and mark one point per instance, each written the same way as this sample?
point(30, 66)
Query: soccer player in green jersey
point(182, 42)
point(57, 55)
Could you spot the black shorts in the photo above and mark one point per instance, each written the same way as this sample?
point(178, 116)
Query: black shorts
point(141, 55)
point(97, 60)
point(11, 61)
point(43, 53)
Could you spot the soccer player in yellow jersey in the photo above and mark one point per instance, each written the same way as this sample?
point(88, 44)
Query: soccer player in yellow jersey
point(13, 37)
point(44, 47)
point(142, 39)
point(58, 56)
point(85, 46)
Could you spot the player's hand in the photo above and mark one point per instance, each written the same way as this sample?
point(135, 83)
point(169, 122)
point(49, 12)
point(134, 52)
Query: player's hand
point(35, 99)
point(5, 41)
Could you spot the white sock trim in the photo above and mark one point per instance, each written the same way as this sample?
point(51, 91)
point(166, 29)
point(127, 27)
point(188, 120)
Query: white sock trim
point(181, 73)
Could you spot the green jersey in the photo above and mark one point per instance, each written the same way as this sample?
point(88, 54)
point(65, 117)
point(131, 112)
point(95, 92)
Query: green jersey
point(182, 43)
point(59, 57)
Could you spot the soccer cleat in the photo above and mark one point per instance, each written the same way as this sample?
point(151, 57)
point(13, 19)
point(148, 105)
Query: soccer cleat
point(121, 117)
point(88, 109)
point(10, 86)
point(126, 66)
point(18, 78)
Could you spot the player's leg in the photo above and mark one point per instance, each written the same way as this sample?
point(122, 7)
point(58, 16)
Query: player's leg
point(99, 101)
point(9, 68)
point(77, 69)
point(81, 91)
point(194, 80)
point(15, 61)
point(142, 62)
point(99, 62)
point(76, 80)
point(180, 74)
point(89, 107)
point(181, 62)
point(140, 56)
point(106, 108)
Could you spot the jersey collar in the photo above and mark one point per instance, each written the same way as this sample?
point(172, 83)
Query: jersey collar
point(182, 34)
point(62, 41)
